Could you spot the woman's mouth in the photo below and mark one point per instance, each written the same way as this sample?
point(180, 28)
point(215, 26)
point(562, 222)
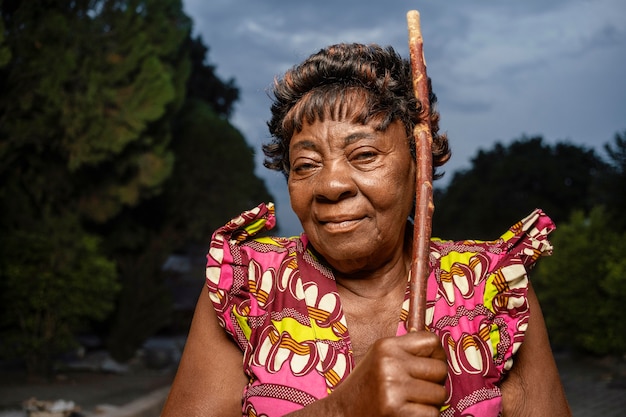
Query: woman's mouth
point(340, 225)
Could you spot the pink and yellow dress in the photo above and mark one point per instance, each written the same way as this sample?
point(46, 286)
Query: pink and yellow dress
point(281, 306)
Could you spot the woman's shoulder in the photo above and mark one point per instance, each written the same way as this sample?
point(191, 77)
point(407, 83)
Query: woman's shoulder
point(249, 230)
point(247, 224)
point(244, 240)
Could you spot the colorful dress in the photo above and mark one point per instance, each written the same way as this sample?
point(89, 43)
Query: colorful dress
point(282, 308)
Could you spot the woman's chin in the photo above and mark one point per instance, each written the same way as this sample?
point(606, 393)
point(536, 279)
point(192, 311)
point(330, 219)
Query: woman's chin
point(348, 256)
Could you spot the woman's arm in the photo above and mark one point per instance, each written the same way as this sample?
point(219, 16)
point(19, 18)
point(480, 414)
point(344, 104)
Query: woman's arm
point(210, 379)
point(533, 387)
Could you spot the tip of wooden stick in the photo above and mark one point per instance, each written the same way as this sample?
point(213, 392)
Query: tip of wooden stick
point(413, 18)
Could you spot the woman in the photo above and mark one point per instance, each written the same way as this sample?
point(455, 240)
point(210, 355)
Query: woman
point(314, 325)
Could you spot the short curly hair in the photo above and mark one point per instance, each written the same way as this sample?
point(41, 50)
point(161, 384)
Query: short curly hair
point(324, 84)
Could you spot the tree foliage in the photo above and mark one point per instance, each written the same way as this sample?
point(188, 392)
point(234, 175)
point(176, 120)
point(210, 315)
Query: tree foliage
point(213, 181)
point(612, 187)
point(96, 157)
point(582, 286)
point(506, 183)
point(204, 85)
point(221, 164)
point(87, 88)
point(53, 279)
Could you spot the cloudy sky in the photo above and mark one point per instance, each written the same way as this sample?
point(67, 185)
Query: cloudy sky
point(501, 69)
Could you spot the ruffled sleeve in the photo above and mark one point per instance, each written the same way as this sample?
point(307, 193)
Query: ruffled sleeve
point(482, 286)
point(478, 305)
point(506, 289)
point(227, 268)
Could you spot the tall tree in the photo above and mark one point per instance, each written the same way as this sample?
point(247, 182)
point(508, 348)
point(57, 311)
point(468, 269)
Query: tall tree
point(85, 95)
point(613, 185)
point(90, 89)
point(507, 182)
point(212, 180)
point(204, 83)
point(53, 281)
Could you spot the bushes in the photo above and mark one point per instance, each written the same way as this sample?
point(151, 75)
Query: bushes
point(582, 287)
point(53, 280)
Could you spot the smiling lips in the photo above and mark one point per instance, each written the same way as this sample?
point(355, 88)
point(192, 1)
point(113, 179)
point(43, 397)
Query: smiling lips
point(340, 224)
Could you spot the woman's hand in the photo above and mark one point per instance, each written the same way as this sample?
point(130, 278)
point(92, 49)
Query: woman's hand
point(399, 376)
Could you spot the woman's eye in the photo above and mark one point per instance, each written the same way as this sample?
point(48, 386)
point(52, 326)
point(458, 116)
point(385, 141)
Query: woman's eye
point(302, 167)
point(364, 156)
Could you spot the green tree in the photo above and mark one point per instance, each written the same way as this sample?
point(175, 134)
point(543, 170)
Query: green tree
point(53, 280)
point(87, 87)
point(91, 128)
point(582, 286)
point(90, 89)
point(144, 304)
point(217, 157)
point(508, 182)
point(612, 185)
point(203, 83)
point(213, 179)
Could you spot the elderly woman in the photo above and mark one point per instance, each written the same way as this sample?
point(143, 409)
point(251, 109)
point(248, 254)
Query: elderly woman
point(315, 324)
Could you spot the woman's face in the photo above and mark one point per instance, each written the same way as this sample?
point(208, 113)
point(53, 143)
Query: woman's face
point(352, 188)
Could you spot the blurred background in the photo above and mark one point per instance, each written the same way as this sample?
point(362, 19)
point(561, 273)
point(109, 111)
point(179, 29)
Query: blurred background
point(130, 130)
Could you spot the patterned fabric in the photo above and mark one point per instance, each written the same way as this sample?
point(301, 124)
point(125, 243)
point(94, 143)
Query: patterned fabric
point(281, 306)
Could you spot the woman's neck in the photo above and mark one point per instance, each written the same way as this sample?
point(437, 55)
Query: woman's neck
point(377, 283)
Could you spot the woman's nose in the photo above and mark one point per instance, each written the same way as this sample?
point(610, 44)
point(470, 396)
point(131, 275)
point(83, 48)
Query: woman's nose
point(334, 182)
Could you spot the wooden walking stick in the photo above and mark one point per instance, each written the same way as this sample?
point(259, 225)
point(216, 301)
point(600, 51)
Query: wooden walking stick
point(423, 186)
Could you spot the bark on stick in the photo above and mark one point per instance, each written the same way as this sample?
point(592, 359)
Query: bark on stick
point(424, 188)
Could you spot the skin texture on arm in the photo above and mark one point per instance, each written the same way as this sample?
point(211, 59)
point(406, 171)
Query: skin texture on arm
point(210, 379)
point(533, 387)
